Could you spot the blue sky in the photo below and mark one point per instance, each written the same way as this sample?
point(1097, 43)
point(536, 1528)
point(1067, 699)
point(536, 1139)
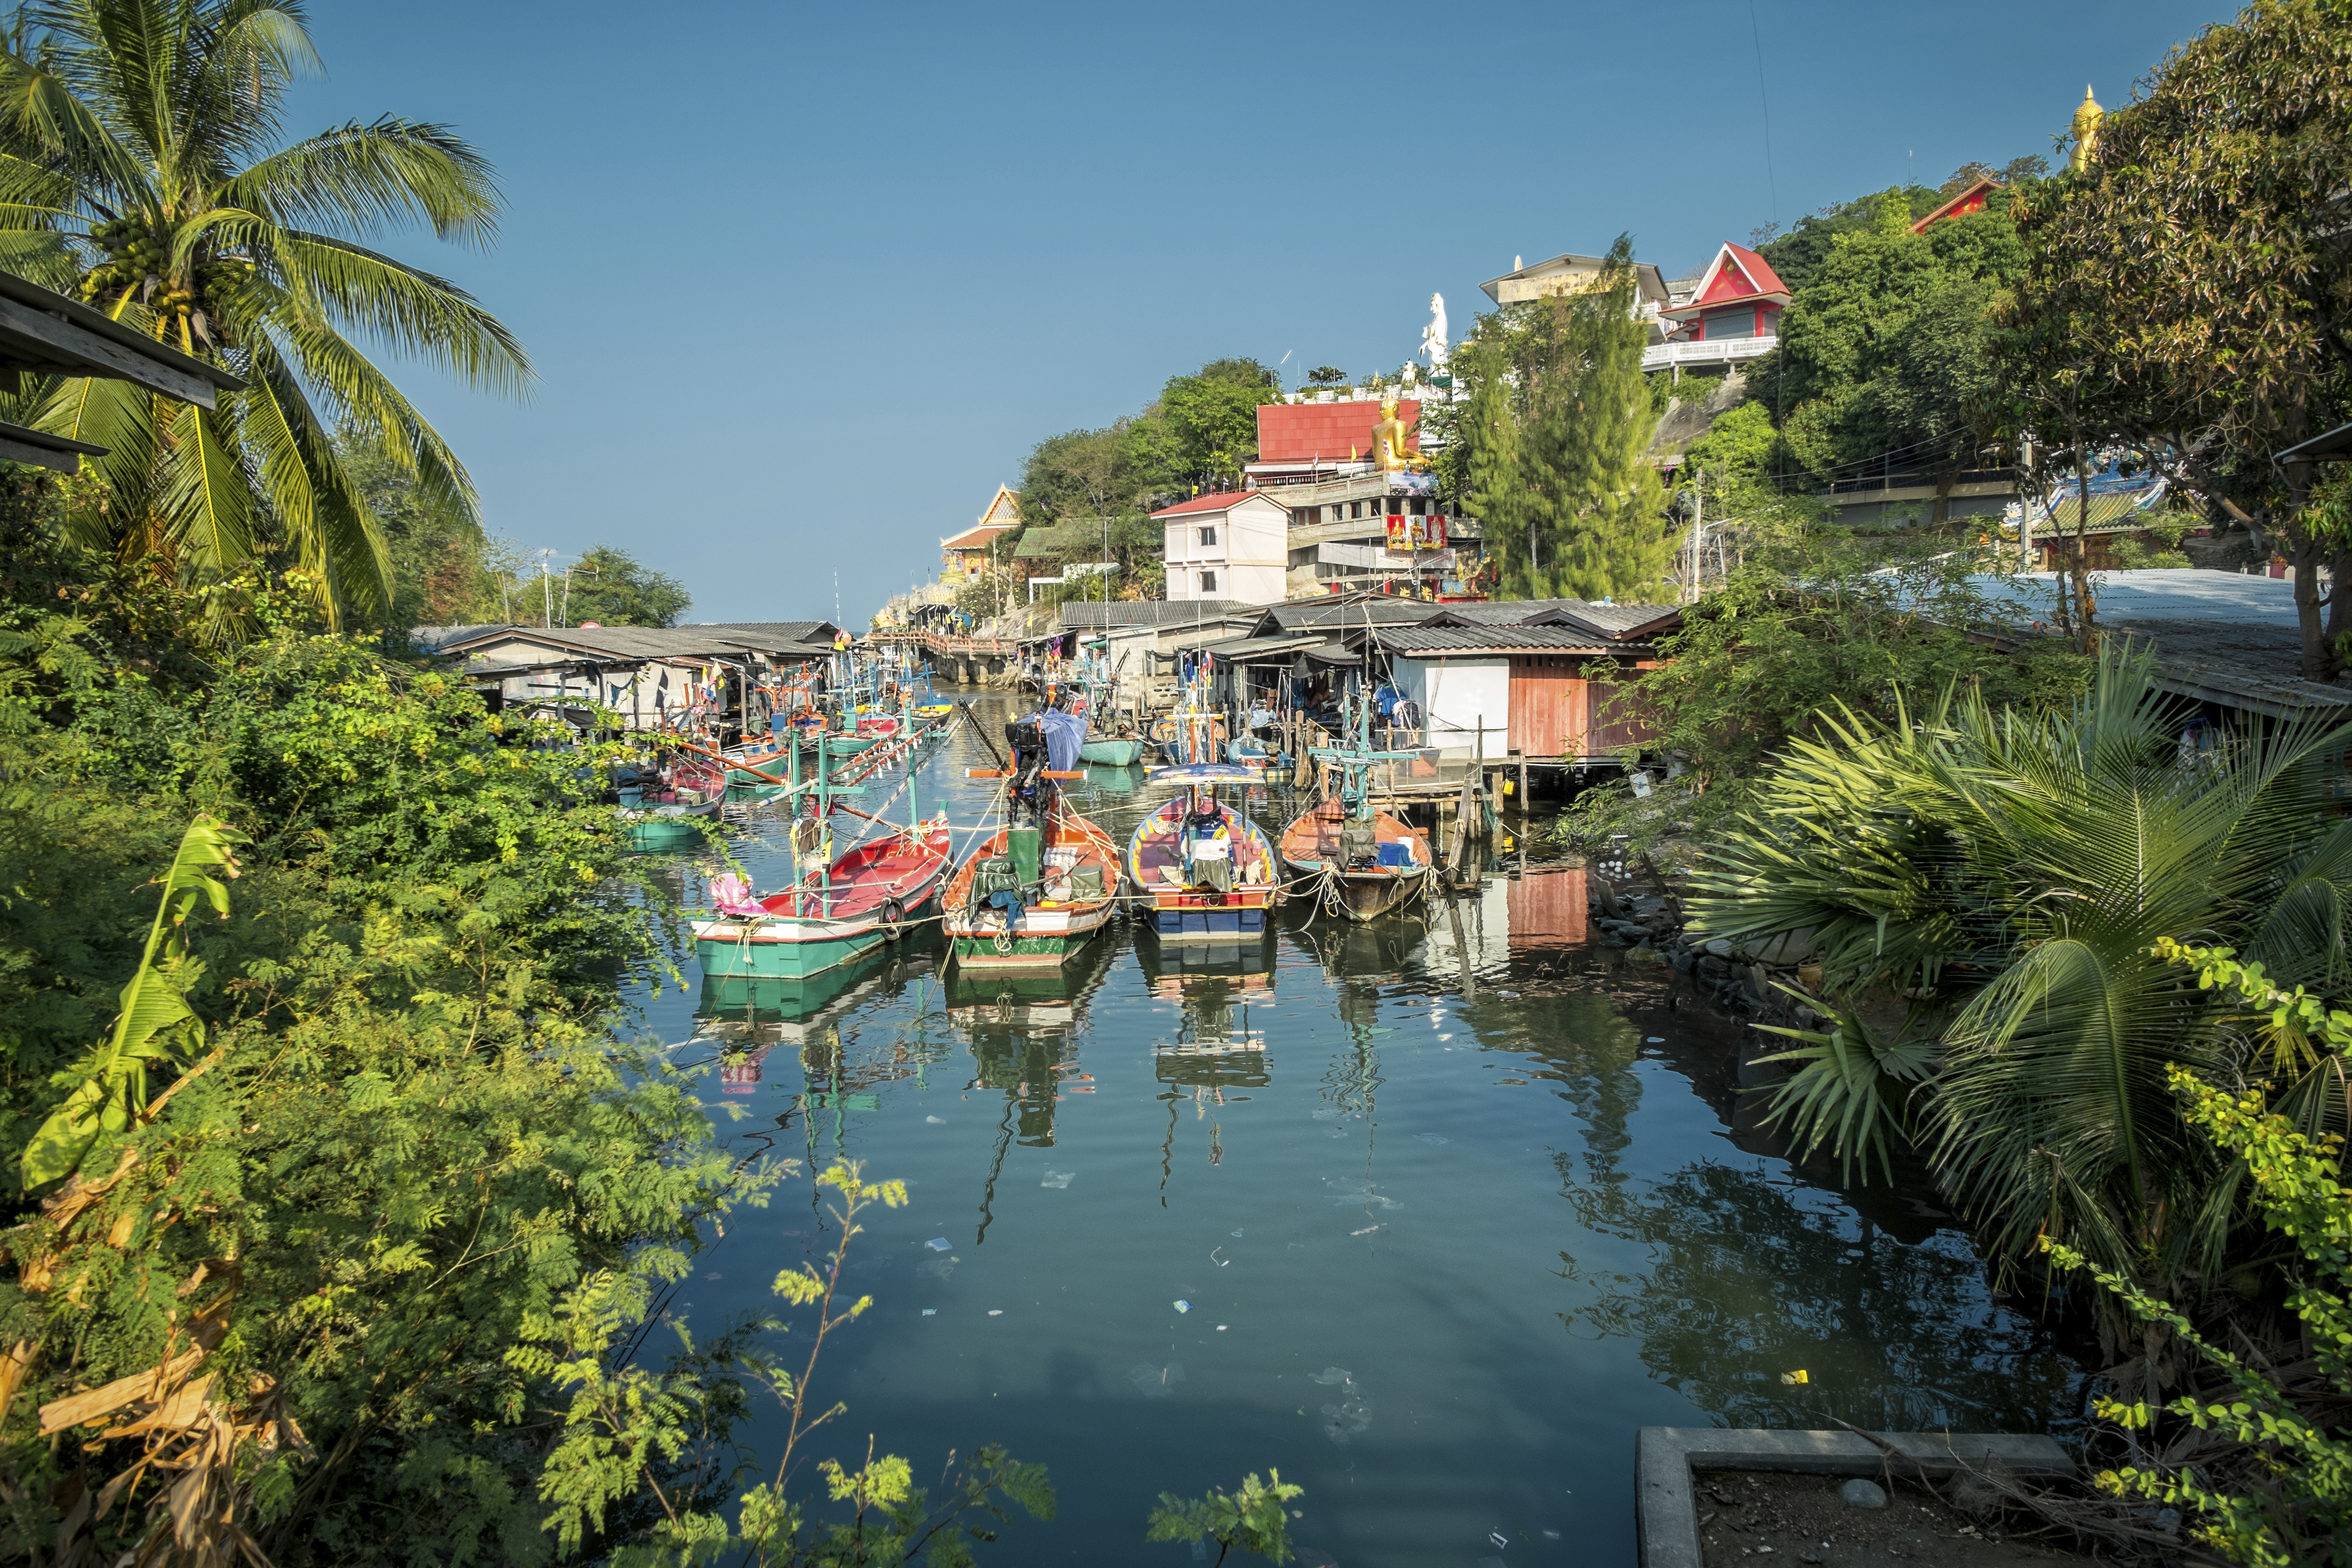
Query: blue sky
point(802, 285)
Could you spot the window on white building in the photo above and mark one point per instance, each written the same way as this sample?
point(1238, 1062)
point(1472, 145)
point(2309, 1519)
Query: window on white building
point(1208, 536)
point(1208, 582)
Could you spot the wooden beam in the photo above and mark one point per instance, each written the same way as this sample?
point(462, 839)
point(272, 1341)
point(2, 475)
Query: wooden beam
point(42, 340)
point(19, 445)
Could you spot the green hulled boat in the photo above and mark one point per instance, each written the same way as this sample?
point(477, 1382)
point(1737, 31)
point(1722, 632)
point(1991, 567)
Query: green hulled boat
point(650, 829)
point(1112, 750)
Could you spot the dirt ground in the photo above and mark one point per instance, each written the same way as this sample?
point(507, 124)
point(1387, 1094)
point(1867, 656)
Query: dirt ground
point(1746, 1517)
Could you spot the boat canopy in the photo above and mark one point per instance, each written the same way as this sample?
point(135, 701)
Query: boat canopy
point(1204, 772)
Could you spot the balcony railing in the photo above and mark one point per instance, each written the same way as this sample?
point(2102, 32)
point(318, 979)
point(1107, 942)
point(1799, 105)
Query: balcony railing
point(1713, 350)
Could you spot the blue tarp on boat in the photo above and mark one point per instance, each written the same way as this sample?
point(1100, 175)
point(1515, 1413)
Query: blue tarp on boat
point(1065, 733)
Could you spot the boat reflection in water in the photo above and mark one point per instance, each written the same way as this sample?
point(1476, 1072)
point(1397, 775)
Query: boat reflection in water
point(1020, 1027)
point(1172, 969)
point(745, 1017)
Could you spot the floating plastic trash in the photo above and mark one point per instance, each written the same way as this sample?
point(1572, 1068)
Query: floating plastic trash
point(1496, 1537)
point(1432, 1139)
point(1156, 1382)
point(996, 1311)
point(1329, 1375)
point(1057, 1180)
point(930, 1311)
point(1183, 1306)
point(1237, 1233)
point(1221, 1328)
point(1657, 1039)
point(939, 1244)
point(1795, 1379)
point(936, 1120)
point(1366, 1231)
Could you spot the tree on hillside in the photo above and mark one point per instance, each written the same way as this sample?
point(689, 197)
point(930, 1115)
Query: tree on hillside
point(1883, 360)
point(610, 587)
point(1210, 422)
point(1552, 444)
point(2195, 276)
point(141, 169)
point(1080, 473)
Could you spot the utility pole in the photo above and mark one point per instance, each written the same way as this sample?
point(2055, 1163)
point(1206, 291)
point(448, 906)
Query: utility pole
point(546, 592)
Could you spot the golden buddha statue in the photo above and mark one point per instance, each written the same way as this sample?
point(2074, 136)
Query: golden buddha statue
point(2087, 130)
point(1388, 444)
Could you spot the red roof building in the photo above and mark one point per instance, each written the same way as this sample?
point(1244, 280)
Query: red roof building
point(1740, 296)
point(1328, 432)
point(1971, 200)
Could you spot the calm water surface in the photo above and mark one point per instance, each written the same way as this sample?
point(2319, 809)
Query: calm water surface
point(1430, 1214)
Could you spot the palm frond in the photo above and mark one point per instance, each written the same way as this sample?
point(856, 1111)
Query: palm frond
point(371, 176)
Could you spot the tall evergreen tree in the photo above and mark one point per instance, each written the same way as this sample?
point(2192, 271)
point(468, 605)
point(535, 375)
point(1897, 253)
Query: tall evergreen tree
point(1558, 419)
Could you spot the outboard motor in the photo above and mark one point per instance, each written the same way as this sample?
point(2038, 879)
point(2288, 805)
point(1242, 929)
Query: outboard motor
point(1025, 738)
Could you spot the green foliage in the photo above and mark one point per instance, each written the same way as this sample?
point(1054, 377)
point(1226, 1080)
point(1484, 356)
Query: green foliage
point(1809, 623)
point(1885, 350)
point(108, 1088)
point(2220, 343)
point(1197, 435)
point(608, 586)
point(1551, 445)
point(446, 569)
point(629, 1433)
point(1209, 425)
point(2285, 1496)
point(144, 177)
point(2012, 874)
point(1252, 1517)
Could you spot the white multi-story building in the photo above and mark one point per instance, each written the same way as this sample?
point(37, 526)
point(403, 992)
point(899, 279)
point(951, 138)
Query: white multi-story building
point(1232, 545)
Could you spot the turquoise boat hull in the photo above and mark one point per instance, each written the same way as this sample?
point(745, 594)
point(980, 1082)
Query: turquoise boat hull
point(1113, 752)
point(817, 951)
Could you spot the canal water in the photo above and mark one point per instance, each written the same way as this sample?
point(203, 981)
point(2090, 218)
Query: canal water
point(1430, 1214)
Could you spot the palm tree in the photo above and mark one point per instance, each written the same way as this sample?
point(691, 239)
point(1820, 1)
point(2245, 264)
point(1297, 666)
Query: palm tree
point(142, 168)
point(2006, 879)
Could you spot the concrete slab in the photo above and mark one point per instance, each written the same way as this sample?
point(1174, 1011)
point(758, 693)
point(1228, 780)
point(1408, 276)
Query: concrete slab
point(1666, 1501)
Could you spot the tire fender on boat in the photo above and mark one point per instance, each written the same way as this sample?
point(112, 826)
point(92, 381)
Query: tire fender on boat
point(894, 913)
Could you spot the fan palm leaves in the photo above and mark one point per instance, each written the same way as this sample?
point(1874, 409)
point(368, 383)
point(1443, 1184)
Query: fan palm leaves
point(2009, 877)
point(142, 169)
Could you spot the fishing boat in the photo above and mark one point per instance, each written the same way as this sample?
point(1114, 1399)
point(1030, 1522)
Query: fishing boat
point(1033, 893)
point(668, 805)
point(656, 826)
point(747, 763)
point(1358, 860)
point(1194, 731)
point(1205, 867)
point(1112, 750)
point(841, 906)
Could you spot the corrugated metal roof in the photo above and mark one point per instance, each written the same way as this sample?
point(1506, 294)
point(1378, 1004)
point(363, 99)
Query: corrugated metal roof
point(1148, 613)
point(1414, 642)
point(793, 638)
point(1337, 614)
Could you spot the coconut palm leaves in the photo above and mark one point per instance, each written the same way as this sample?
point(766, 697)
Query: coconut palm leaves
point(2011, 877)
point(139, 168)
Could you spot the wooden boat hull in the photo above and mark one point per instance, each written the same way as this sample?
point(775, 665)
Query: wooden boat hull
point(1310, 849)
point(1042, 936)
point(864, 883)
point(1180, 912)
point(1113, 752)
point(1042, 939)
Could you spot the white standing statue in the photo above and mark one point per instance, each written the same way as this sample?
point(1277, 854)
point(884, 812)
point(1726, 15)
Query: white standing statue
point(1433, 336)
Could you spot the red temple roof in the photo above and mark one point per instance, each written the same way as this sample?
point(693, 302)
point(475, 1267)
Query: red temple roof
point(1737, 275)
point(1303, 431)
point(1971, 200)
